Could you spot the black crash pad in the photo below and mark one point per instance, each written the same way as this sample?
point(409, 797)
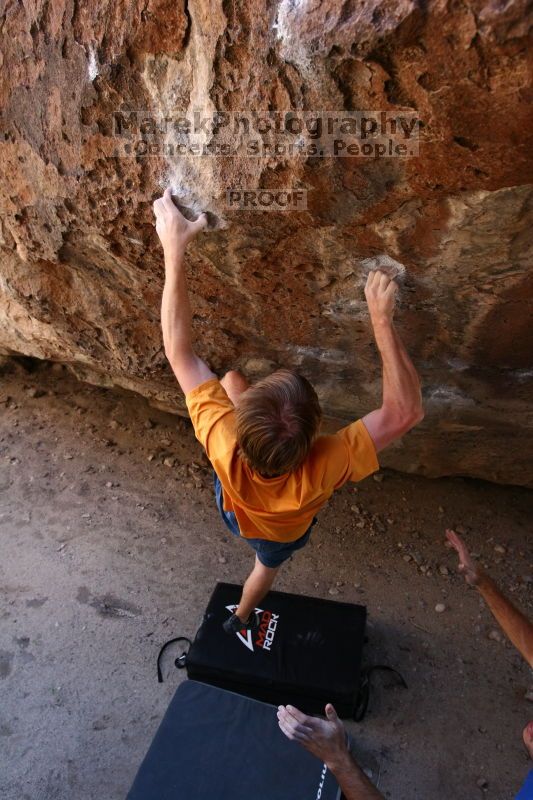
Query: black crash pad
point(217, 745)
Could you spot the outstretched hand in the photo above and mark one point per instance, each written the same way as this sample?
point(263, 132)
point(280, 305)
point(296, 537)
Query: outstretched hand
point(380, 293)
point(324, 738)
point(467, 565)
point(174, 230)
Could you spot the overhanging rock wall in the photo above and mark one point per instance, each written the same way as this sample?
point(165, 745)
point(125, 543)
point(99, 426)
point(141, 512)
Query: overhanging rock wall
point(81, 272)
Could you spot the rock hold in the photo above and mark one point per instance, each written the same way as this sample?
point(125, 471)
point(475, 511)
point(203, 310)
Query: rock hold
point(385, 264)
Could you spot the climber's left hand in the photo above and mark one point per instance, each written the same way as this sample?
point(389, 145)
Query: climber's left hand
point(174, 230)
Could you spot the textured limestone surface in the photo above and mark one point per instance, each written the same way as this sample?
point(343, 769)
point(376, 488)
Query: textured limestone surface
point(80, 266)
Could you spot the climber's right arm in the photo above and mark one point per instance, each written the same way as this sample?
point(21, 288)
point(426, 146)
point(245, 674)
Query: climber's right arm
point(401, 407)
point(175, 232)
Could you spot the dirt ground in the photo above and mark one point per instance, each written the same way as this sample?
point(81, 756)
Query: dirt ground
point(111, 544)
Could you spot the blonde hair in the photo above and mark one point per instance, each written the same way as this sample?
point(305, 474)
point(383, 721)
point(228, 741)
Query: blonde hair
point(278, 419)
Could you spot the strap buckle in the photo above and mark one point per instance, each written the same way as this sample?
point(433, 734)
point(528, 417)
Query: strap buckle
point(181, 661)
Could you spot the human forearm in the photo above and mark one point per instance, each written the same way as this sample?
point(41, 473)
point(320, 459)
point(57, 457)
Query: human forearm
point(175, 232)
point(352, 780)
point(401, 405)
point(401, 385)
point(176, 309)
point(515, 625)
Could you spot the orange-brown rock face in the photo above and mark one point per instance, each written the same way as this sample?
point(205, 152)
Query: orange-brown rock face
point(81, 272)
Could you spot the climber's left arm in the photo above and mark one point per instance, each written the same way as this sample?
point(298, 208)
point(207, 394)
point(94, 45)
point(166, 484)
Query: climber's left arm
point(175, 232)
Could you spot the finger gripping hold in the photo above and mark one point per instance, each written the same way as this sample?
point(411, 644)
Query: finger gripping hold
point(386, 264)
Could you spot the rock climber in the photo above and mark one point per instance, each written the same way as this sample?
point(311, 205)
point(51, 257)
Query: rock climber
point(273, 471)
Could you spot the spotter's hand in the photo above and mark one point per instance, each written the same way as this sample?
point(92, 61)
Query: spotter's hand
point(467, 565)
point(324, 738)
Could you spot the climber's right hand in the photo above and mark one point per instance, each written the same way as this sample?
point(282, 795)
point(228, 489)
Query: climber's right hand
point(380, 293)
point(174, 230)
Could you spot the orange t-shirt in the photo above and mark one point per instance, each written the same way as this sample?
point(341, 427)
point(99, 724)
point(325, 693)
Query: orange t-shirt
point(282, 508)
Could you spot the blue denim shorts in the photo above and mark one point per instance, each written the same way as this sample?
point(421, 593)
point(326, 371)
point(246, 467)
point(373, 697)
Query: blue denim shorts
point(270, 554)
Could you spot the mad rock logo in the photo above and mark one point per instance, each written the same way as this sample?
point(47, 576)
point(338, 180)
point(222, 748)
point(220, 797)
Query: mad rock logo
point(322, 782)
point(264, 635)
